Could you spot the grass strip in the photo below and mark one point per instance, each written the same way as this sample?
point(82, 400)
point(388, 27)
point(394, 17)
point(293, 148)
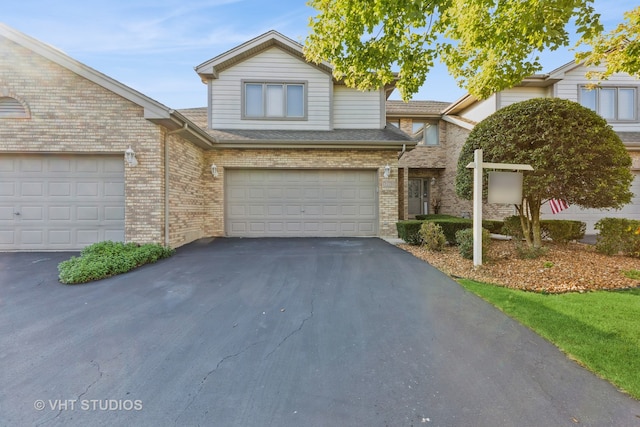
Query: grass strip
point(597, 329)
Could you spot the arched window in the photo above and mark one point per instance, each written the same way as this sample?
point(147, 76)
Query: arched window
point(11, 108)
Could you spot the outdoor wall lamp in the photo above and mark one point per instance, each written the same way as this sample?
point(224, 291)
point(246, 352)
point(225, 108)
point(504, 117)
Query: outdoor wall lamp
point(130, 157)
point(214, 171)
point(387, 171)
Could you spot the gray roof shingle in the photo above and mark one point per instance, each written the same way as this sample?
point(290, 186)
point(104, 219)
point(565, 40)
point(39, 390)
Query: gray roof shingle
point(388, 134)
point(415, 108)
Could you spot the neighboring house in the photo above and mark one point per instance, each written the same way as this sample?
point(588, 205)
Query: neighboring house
point(283, 149)
point(617, 100)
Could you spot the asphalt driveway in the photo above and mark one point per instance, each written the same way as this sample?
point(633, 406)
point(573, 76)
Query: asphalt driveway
point(279, 332)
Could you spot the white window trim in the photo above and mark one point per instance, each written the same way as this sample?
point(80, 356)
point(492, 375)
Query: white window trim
point(264, 83)
point(597, 93)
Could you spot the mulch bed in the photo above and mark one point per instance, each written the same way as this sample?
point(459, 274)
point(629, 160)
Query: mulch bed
point(575, 267)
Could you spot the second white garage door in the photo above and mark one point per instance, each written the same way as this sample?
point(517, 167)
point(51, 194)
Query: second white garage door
point(60, 201)
point(295, 203)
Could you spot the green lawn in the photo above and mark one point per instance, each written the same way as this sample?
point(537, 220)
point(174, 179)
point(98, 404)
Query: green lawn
point(601, 330)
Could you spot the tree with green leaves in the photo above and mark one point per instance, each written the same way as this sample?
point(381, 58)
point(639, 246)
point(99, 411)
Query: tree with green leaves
point(575, 154)
point(618, 50)
point(487, 45)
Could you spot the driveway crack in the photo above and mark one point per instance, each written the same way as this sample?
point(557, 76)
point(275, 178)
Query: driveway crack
point(86, 390)
point(295, 331)
point(211, 372)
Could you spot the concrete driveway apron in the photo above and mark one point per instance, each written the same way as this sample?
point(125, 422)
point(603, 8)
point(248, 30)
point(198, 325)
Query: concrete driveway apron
point(279, 332)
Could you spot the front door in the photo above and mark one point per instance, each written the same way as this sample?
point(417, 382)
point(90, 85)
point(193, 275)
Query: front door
point(418, 197)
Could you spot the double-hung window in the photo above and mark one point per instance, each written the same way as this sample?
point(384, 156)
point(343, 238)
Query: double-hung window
point(266, 100)
point(612, 103)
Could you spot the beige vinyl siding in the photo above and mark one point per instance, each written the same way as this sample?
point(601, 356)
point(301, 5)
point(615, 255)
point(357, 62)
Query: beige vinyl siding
point(354, 109)
point(270, 65)
point(518, 94)
point(481, 109)
point(569, 86)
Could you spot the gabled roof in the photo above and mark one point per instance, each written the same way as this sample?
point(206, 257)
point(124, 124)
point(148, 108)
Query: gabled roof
point(211, 68)
point(415, 108)
point(153, 110)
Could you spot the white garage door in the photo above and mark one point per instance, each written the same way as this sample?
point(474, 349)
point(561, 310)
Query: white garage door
point(293, 203)
point(60, 202)
point(591, 216)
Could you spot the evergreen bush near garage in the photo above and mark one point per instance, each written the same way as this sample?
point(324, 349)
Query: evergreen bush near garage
point(563, 231)
point(409, 231)
point(618, 235)
point(432, 236)
point(105, 259)
point(464, 239)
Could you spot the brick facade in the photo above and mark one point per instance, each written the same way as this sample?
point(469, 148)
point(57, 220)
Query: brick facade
point(70, 114)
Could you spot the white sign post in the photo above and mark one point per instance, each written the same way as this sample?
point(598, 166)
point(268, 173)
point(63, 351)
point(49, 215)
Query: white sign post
point(478, 165)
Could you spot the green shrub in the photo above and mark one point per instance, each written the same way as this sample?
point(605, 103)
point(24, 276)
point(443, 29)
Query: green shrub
point(432, 236)
point(464, 239)
point(562, 231)
point(450, 226)
point(109, 258)
point(511, 227)
point(618, 235)
point(434, 216)
point(525, 251)
point(493, 225)
point(409, 231)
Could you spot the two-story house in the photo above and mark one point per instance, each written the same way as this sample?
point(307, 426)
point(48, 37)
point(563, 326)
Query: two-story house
point(282, 149)
point(616, 99)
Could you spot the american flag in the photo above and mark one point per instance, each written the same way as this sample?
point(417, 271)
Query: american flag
point(557, 205)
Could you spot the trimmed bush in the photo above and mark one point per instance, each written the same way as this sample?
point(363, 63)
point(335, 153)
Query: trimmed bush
point(450, 226)
point(409, 231)
point(562, 231)
point(618, 235)
point(434, 216)
point(432, 236)
point(493, 225)
point(464, 238)
point(108, 258)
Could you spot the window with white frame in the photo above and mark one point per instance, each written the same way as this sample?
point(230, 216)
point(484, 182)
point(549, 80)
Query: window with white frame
point(274, 100)
point(427, 131)
point(612, 103)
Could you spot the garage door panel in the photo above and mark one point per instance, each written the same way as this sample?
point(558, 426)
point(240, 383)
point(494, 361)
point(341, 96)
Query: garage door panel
point(87, 189)
point(7, 237)
point(7, 189)
point(87, 213)
point(59, 213)
point(114, 213)
point(64, 201)
point(59, 189)
point(59, 165)
point(60, 237)
point(301, 202)
point(114, 189)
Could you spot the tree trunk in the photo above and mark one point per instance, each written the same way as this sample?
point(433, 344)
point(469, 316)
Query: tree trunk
point(524, 222)
point(534, 211)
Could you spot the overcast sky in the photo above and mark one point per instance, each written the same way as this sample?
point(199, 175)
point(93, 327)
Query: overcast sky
point(154, 45)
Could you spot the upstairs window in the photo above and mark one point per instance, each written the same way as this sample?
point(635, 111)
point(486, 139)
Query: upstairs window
point(612, 103)
point(274, 101)
point(427, 132)
point(11, 108)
